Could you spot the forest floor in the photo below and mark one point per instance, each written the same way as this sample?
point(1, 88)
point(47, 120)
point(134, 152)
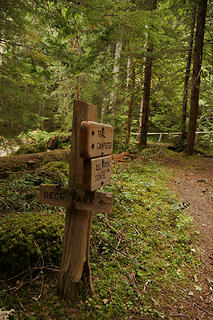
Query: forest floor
point(193, 183)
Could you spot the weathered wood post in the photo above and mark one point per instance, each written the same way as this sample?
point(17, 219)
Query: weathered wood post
point(75, 264)
point(90, 168)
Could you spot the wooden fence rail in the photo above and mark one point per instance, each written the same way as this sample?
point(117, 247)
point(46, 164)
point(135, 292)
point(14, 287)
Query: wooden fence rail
point(172, 133)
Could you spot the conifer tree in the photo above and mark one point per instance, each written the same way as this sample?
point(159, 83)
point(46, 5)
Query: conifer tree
point(198, 53)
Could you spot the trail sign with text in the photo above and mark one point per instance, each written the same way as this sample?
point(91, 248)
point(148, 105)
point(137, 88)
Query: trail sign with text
point(79, 199)
point(90, 169)
point(96, 139)
point(97, 172)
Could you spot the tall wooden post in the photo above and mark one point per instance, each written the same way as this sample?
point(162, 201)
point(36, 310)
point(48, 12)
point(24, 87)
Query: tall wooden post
point(90, 169)
point(75, 273)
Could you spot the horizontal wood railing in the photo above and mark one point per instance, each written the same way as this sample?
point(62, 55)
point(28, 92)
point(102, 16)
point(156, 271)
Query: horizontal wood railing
point(172, 133)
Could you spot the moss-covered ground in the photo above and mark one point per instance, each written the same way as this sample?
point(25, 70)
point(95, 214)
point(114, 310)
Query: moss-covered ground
point(142, 254)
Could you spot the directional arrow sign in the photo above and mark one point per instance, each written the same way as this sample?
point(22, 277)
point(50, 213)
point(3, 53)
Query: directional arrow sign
point(97, 172)
point(79, 199)
point(96, 139)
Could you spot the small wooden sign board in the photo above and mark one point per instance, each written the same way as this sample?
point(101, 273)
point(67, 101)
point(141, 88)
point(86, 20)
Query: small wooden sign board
point(78, 199)
point(97, 172)
point(96, 139)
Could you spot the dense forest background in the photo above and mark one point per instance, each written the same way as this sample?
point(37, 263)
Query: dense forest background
point(52, 52)
point(148, 67)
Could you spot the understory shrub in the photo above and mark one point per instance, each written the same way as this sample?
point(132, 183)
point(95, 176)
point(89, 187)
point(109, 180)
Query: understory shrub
point(30, 239)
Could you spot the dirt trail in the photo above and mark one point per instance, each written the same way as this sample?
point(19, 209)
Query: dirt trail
point(194, 186)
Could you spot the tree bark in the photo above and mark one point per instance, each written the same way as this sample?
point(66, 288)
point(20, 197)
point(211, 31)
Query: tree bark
point(187, 75)
point(116, 69)
point(131, 99)
point(146, 98)
point(142, 89)
point(198, 52)
point(1, 52)
point(147, 82)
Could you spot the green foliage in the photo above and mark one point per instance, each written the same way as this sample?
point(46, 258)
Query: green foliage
point(54, 53)
point(42, 137)
point(146, 239)
point(21, 192)
point(56, 171)
point(30, 239)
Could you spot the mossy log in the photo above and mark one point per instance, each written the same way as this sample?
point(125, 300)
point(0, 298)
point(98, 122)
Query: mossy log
point(27, 162)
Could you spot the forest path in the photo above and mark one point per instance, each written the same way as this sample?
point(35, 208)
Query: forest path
point(193, 183)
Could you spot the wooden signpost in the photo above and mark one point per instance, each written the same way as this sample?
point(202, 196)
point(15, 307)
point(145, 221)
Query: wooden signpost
point(79, 199)
point(97, 172)
point(96, 139)
point(90, 169)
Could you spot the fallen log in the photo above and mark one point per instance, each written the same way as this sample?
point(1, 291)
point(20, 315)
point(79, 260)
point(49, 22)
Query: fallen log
point(27, 162)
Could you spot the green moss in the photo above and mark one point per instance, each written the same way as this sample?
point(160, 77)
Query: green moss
point(141, 253)
point(56, 171)
point(30, 239)
point(32, 148)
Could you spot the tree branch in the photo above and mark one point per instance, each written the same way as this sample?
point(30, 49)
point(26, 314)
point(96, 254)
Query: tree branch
point(19, 45)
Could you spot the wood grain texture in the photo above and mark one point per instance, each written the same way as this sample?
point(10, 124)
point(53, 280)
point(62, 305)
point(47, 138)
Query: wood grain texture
point(82, 111)
point(78, 199)
point(75, 274)
point(96, 139)
point(97, 172)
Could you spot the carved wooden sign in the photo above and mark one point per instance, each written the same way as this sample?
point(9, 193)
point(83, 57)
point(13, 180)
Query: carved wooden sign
point(96, 139)
point(78, 199)
point(90, 168)
point(97, 172)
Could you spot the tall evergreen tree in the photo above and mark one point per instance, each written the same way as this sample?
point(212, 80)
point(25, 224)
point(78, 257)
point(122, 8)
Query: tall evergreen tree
point(198, 53)
point(187, 74)
point(147, 82)
point(131, 99)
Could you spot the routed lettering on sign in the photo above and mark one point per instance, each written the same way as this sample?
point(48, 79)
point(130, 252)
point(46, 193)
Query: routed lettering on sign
point(97, 172)
point(96, 139)
point(65, 197)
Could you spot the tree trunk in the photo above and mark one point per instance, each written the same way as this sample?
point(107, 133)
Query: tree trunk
point(1, 52)
point(116, 69)
point(131, 99)
point(142, 89)
point(128, 72)
point(77, 89)
point(146, 98)
point(105, 102)
point(187, 75)
point(198, 52)
point(147, 82)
